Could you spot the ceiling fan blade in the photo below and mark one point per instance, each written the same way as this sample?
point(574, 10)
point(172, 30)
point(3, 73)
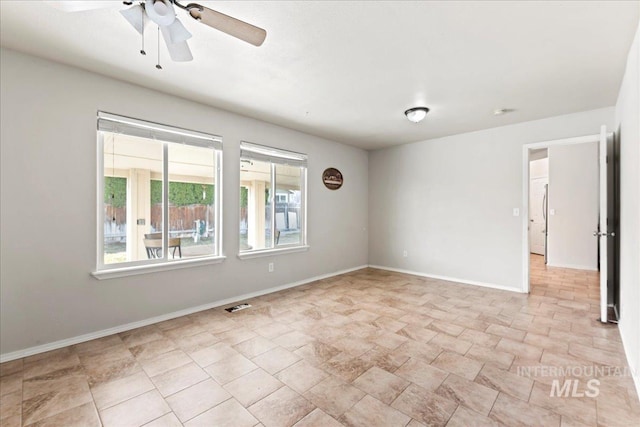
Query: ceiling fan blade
point(82, 5)
point(227, 24)
point(179, 52)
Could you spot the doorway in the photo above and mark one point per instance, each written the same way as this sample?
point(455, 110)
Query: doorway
point(577, 247)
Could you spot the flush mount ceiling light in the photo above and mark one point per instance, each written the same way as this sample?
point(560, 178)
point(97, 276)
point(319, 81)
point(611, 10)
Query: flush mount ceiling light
point(416, 114)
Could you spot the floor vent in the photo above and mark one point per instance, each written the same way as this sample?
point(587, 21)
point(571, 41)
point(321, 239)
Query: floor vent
point(237, 308)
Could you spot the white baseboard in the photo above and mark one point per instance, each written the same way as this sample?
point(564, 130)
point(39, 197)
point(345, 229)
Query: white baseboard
point(449, 279)
point(117, 329)
point(574, 266)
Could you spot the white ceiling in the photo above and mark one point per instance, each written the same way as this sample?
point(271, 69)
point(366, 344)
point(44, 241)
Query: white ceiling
point(347, 70)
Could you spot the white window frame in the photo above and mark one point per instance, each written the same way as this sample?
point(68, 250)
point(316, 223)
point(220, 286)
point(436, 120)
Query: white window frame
point(112, 123)
point(276, 156)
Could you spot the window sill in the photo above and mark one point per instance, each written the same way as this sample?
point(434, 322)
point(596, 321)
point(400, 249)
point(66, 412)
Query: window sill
point(153, 268)
point(272, 252)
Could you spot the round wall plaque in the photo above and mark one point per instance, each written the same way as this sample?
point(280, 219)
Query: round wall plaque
point(332, 178)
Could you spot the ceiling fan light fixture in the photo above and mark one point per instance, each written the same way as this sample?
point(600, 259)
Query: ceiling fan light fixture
point(175, 34)
point(179, 52)
point(134, 16)
point(416, 114)
point(161, 12)
point(178, 33)
point(160, 7)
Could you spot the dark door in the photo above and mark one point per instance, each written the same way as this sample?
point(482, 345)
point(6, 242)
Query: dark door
point(613, 226)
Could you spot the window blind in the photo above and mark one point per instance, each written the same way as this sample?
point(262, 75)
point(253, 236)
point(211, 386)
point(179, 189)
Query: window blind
point(262, 153)
point(119, 124)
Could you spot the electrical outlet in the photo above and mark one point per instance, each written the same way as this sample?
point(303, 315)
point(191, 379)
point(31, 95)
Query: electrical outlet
point(405, 253)
point(270, 267)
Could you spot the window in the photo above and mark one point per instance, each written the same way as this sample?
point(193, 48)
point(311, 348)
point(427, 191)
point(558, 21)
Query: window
point(272, 198)
point(158, 193)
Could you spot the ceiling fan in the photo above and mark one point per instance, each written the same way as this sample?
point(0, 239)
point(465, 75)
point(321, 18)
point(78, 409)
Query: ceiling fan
point(163, 14)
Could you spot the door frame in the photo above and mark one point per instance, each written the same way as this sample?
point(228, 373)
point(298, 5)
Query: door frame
point(526, 148)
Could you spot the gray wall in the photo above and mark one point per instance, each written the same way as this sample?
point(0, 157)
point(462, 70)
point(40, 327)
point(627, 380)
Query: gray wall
point(574, 196)
point(627, 118)
point(449, 201)
point(48, 212)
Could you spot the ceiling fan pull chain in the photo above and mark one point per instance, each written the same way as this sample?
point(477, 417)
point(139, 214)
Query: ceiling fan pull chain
point(142, 51)
point(158, 66)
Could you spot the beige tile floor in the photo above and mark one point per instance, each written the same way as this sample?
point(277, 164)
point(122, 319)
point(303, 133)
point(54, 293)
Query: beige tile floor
point(369, 348)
